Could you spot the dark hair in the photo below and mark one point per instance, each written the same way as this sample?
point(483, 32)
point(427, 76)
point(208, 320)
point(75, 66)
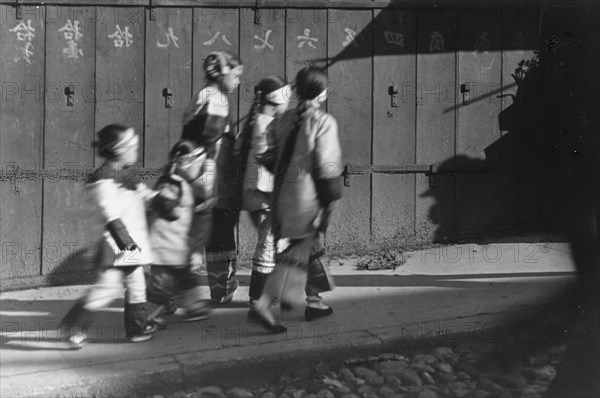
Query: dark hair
point(265, 86)
point(182, 148)
point(108, 136)
point(310, 82)
point(216, 61)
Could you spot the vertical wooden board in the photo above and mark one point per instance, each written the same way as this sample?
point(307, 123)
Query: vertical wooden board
point(479, 67)
point(520, 39)
point(21, 137)
point(306, 39)
point(393, 198)
point(479, 70)
point(120, 68)
point(350, 102)
point(168, 68)
point(69, 130)
point(262, 49)
point(436, 67)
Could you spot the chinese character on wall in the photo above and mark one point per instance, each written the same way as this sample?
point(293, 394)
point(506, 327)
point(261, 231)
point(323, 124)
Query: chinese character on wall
point(121, 37)
point(170, 38)
point(265, 41)
point(437, 41)
point(306, 39)
point(25, 33)
point(72, 35)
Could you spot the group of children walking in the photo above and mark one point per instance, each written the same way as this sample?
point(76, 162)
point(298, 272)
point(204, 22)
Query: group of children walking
point(284, 169)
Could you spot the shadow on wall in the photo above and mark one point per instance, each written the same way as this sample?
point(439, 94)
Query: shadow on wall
point(552, 136)
point(503, 193)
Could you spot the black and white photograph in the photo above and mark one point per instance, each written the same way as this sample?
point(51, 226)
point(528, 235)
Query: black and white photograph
point(300, 199)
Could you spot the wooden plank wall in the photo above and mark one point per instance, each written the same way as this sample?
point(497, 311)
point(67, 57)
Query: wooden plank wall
point(22, 139)
point(119, 64)
point(394, 139)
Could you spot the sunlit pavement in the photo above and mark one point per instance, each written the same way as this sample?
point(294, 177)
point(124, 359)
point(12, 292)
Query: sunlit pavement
point(478, 293)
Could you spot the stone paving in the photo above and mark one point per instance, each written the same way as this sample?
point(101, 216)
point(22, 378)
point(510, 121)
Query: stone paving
point(467, 371)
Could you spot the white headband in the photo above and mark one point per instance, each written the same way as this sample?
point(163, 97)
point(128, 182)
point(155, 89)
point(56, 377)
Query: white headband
point(319, 99)
point(129, 139)
point(278, 96)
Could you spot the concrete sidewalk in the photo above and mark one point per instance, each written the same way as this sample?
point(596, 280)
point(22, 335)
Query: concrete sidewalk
point(454, 292)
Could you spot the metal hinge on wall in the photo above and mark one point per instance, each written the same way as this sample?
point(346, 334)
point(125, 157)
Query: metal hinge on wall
point(430, 170)
point(152, 9)
point(351, 169)
point(257, 11)
point(19, 10)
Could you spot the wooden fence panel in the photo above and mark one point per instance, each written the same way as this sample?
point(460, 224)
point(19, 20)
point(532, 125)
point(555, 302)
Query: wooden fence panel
point(393, 196)
point(21, 126)
point(68, 240)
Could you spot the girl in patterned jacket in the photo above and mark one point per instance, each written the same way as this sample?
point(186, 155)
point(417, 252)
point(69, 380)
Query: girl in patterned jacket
point(207, 122)
point(305, 153)
point(272, 98)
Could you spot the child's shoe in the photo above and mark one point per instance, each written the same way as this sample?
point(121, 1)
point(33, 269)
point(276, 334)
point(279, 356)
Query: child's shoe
point(312, 313)
point(77, 339)
point(145, 336)
point(227, 298)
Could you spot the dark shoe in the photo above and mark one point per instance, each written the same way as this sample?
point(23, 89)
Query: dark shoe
point(275, 328)
point(146, 335)
point(312, 314)
point(227, 298)
point(140, 338)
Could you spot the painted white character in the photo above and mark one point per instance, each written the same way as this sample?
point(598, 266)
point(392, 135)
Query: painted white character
point(24, 32)
point(72, 34)
point(482, 43)
point(26, 52)
point(306, 39)
point(213, 39)
point(170, 37)
point(71, 30)
point(121, 36)
point(73, 51)
point(394, 38)
point(437, 41)
point(350, 36)
point(265, 42)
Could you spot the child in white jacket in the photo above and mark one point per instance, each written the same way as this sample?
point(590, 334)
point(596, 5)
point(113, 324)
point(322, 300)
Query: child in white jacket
point(121, 204)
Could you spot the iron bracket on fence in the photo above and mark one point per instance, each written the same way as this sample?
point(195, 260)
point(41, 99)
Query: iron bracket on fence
point(152, 9)
point(408, 168)
point(430, 170)
point(257, 5)
point(19, 10)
